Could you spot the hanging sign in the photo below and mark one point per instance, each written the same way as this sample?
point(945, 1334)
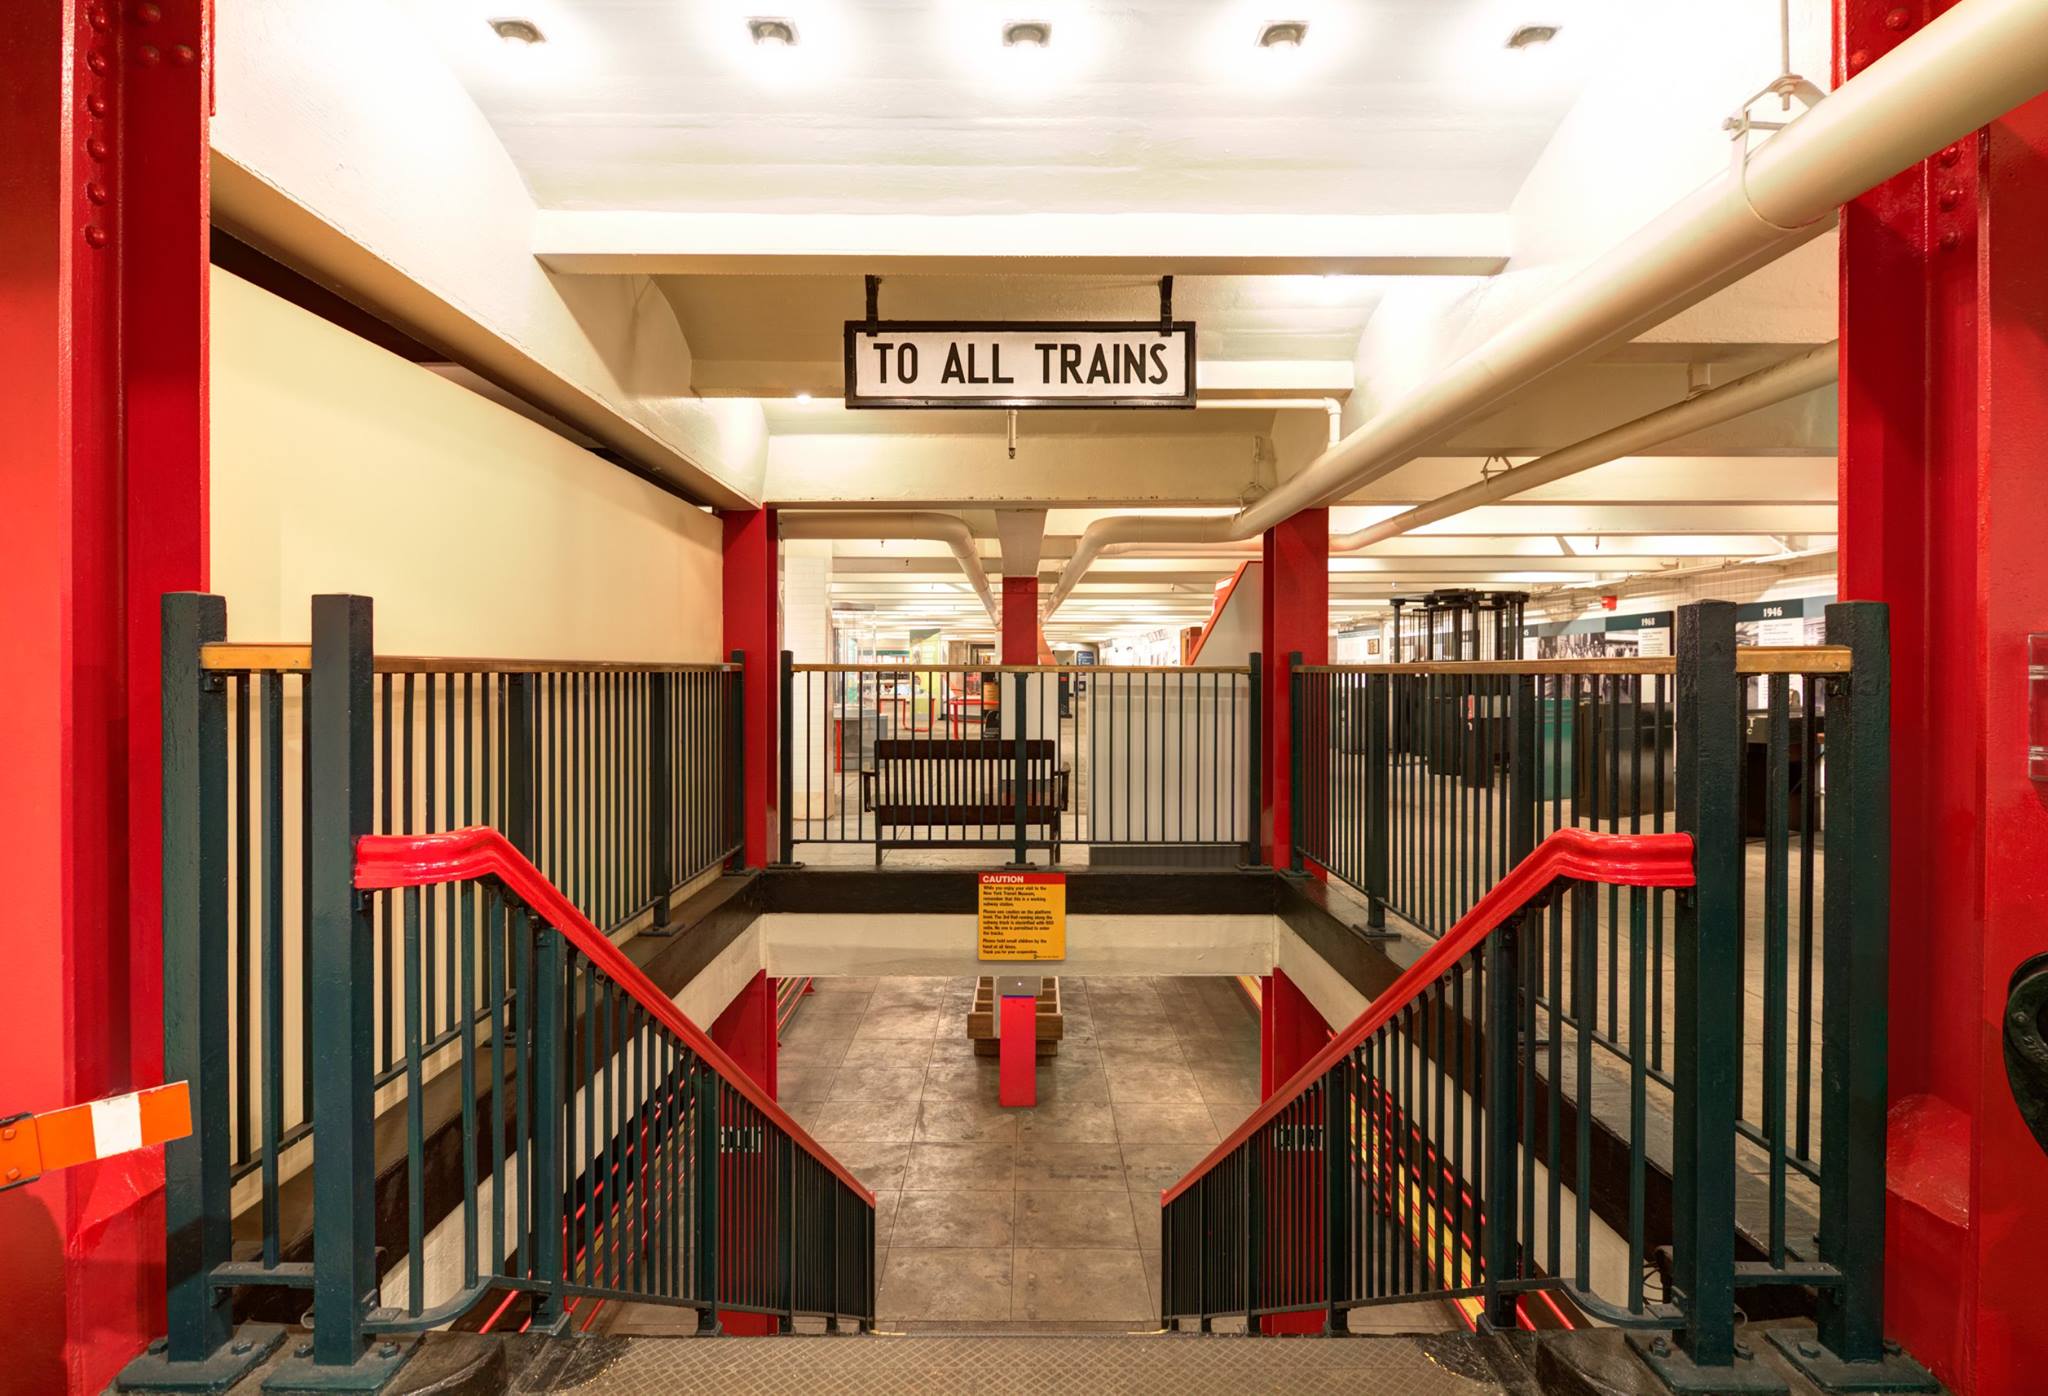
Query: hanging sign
point(1020, 364)
point(1023, 916)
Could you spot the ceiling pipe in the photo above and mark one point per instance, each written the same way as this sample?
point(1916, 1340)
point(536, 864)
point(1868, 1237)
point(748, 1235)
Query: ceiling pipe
point(1652, 583)
point(1327, 405)
point(1802, 373)
point(932, 527)
point(1965, 68)
point(1788, 378)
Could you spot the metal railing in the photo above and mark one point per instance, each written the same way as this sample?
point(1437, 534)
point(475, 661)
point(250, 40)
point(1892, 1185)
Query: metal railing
point(1414, 1157)
point(645, 1165)
point(1704, 1008)
point(1020, 757)
point(621, 780)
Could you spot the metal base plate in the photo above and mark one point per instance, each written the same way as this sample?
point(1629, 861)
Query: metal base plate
point(240, 1355)
point(378, 1364)
point(1676, 1369)
point(1895, 1371)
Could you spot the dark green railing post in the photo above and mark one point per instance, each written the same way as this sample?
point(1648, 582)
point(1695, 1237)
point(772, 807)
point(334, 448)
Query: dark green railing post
point(785, 1224)
point(1255, 768)
point(1021, 853)
point(736, 764)
point(197, 1215)
point(708, 1145)
point(340, 1039)
point(1503, 1132)
point(1339, 1179)
point(1708, 996)
point(1855, 975)
point(201, 1346)
point(1296, 730)
point(1523, 796)
point(1379, 786)
point(519, 825)
point(661, 795)
point(549, 1048)
point(785, 721)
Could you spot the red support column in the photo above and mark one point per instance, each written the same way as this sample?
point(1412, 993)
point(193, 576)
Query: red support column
point(1295, 617)
point(1944, 405)
point(753, 627)
point(745, 1031)
point(1017, 1039)
point(1020, 620)
point(103, 241)
point(1291, 1031)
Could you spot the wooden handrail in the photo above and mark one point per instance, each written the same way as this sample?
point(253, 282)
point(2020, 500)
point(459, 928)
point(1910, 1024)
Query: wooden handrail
point(912, 668)
point(292, 658)
point(1625, 860)
point(1749, 660)
point(464, 855)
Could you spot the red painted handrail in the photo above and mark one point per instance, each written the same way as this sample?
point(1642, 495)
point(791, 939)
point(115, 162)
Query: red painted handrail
point(1626, 860)
point(464, 855)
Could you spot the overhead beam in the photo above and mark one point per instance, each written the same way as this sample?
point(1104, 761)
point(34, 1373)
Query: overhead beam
point(619, 242)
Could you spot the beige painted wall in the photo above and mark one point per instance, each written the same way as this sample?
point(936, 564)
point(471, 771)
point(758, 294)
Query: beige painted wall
point(338, 466)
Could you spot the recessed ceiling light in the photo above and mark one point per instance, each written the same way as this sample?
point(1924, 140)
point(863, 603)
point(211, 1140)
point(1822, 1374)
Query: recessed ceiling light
point(518, 31)
point(1530, 35)
point(1286, 33)
point(803, 397)
point(1029, 33)
point(775, 33)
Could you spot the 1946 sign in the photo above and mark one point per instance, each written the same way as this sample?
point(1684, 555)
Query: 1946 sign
point(1093, 364)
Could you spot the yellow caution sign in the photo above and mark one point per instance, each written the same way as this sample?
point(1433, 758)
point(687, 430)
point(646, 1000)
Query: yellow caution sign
point(1023, 916)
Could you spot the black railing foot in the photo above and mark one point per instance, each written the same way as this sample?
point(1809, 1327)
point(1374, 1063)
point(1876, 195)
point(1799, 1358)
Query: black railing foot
point(247, 1348)
point(1894, 1371)
point(1675, 1367)
point(379, 1363)
point(790, 866)
point(708, 1325)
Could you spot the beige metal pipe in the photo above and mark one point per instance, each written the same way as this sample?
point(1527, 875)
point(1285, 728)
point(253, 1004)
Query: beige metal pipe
point(1788, 378)
point(1965, 68)
point(919, 524)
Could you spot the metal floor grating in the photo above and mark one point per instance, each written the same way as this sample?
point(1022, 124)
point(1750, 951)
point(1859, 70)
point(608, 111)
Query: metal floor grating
point(1080, 1365)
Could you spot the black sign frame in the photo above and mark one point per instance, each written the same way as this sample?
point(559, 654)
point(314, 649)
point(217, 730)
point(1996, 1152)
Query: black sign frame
point(1185, 402)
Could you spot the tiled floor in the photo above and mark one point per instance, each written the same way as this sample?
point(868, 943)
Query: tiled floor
point(994, 1217)
point(1022, 1220)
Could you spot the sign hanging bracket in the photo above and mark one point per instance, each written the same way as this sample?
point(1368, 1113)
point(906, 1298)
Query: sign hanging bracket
point(874, 286)
point(1165, 305)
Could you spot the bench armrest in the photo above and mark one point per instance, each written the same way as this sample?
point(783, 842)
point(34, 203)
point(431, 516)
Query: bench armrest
point(867, 790)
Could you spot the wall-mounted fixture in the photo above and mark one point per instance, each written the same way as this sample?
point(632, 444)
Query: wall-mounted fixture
point(1284, 33)
point(1530, 35)
point(518, 31)
point(2037, 708)
point(772, 33)
point(1028, 33)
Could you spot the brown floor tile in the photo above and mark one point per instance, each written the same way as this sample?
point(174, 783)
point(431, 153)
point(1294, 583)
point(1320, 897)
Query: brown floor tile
point(878, 1165)
point(945, 1283)
point(932, 1165)
point(877, 1083)
point(1080, 1284)
point(1058, 1167)
point(838, 1120)
point(1064, 1219)
point(1166, 1124)
point(966, 1122)
point(1157, 1166)
point(1077, 1122)
point(953, 1218)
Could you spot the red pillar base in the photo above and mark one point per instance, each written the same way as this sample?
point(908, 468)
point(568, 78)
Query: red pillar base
point(1291, 1031)
point(1017, 1077)
point(745, 1031)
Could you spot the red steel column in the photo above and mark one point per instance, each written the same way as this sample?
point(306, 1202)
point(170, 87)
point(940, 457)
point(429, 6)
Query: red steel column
point(1017, 1039)
point(1020, 620)
point(103, 264)
point(1290, 1032)
point(1295, 616)
point(753, 626)
point(745, 1031)
point(1944, 406)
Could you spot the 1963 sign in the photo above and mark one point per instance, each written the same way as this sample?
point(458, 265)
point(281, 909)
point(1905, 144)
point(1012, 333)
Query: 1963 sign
point(1010, 364)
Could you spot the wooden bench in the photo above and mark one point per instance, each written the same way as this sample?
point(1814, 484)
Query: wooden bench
point(961, 792)
point(986, 1033)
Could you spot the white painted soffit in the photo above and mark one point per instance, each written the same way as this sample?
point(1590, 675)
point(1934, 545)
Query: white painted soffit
point(343, 145)
point(1023, 244)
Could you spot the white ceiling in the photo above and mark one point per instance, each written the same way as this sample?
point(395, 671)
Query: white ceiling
point(1392, 106)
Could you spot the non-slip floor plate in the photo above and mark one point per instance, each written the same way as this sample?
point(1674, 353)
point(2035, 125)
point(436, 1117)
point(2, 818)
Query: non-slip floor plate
point(1036, 1366)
